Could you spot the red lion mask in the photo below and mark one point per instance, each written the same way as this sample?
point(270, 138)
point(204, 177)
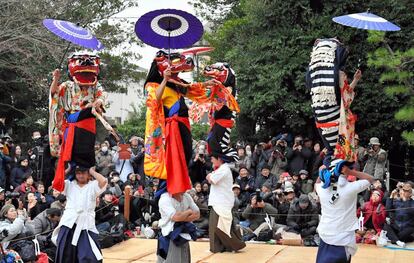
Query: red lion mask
point(221, 72)
point(179, 63)
point(84, 69)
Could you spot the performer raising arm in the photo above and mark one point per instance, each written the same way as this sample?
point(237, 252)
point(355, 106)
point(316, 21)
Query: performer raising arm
point(338, 221)
point(76, 235)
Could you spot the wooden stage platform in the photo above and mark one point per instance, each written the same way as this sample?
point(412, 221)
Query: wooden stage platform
point(142, 250)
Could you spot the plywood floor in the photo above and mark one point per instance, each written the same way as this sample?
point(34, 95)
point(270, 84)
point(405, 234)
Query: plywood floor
point(142, 250)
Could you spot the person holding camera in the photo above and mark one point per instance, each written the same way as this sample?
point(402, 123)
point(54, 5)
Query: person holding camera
point(256, 213)
point(199, 165)
point(400, 220)
point(376, 159)
point(278, 161)
point(298, 156)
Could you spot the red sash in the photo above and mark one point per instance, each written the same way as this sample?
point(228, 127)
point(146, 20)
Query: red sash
point(66, 149)
point(178, 180)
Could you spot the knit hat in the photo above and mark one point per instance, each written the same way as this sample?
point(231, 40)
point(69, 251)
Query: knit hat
point(303, 199)
point(5, 209)
point(235, 186)
point(303, 172)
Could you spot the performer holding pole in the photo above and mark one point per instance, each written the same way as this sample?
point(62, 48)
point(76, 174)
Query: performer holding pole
point(76, 235)
point(339, 222)
point(222, 230)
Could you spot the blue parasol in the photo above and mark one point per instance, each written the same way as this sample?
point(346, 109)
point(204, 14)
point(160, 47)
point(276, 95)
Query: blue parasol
point(73, 33)
point(367, 21)
point(169, 28)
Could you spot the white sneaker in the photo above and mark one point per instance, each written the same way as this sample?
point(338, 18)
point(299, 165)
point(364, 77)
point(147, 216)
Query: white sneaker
point(400, 243)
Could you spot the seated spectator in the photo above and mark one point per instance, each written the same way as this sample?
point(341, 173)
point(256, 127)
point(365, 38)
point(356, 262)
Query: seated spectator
point(377, 185)
point(240, 201)
point(265, 177)
point(283, 201)
point(105, 211)
point(43, 225)
point(104, 160)
point(305, 183)
point(12, 223)
point(115, 184)
point(255, 213)
point(202, 202)
point(27, 186)
point(374, 218)
point(20, 172)
point(303, 218)
point(44, 199)
point(206, 188)
point(59, 203)
point(246, 182)
point(244, 161)
point(134, 180)
point(32, 205)
point(400, 223)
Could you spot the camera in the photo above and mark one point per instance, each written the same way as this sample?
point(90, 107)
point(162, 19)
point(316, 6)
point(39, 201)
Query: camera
point(12, 195)
point(258, 196)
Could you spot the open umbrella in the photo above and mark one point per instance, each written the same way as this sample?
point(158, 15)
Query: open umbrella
point(73, 33)
point(367, 21)
point(169, 28)
point(195, 51)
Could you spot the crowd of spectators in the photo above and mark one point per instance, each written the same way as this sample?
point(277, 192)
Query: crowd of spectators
point(273, 185)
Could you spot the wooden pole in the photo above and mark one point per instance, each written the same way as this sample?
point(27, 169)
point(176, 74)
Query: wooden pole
point(127, 204)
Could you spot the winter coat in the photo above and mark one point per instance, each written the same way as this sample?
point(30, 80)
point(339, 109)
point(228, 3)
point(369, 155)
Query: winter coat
point(306, 186)
point(256, 216)
point(278, 161)
point(22, 188)
point(104, 163)
point(375, 211)
point(41, 224)
point(376, 164)
point(14, 229)
point(302, 217)
point(260, 180)
point(403, 212)
point(298, 159)
point(18, 174)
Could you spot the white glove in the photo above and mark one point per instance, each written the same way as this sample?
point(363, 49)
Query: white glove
point(388, 220)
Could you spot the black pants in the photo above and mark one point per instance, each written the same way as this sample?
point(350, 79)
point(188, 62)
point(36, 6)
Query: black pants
point(395, 234)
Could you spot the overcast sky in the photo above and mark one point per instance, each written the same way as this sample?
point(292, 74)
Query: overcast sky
point(145, 6)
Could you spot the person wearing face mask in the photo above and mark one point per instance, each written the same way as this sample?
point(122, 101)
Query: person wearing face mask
point(104, 162)
point(19, 173)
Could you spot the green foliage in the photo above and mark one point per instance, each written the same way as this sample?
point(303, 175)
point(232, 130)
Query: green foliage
point(199, 131)
point(398, 77)
point(135, 125)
